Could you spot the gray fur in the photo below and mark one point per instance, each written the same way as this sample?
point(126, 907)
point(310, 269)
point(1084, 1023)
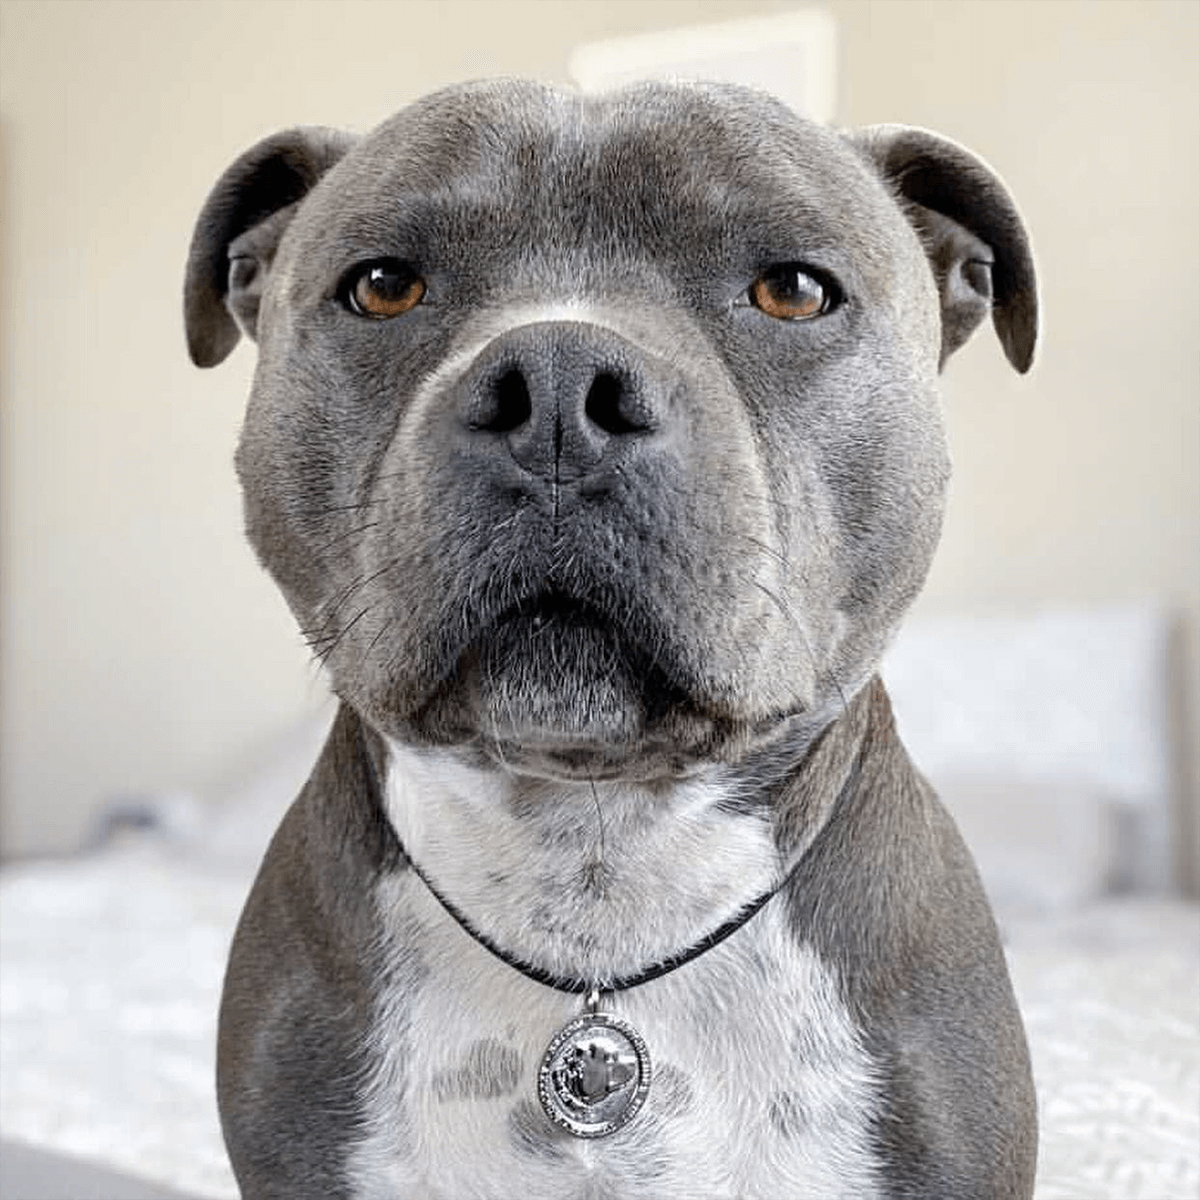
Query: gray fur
point(587, 514)
point(488, 1069)
point(787, 1114)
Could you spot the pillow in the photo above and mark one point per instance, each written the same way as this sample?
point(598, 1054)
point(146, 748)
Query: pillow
point(1042, 847)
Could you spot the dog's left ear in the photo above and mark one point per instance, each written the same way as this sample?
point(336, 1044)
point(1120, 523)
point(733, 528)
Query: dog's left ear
point(972, 232)
point(238, 233)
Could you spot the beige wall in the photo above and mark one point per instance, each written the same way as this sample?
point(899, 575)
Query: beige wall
point(140, 647)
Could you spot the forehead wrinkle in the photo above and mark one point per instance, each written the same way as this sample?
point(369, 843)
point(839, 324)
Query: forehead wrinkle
point(573, 172)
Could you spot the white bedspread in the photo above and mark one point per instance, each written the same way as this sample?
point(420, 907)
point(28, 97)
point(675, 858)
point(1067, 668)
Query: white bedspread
point(110, 974)
point(110, 977)
point(1111, 1000)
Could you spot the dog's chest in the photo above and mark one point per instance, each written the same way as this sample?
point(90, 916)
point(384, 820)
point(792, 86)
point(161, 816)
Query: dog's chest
point(760, 1085)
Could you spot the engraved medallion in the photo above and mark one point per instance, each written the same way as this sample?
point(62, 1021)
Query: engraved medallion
point(595, 1075)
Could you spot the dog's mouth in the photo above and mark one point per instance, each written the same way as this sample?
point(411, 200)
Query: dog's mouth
point(565, 687)
point(554, 608)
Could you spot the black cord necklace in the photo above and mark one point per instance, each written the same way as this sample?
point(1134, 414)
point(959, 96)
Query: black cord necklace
point(595, 1074)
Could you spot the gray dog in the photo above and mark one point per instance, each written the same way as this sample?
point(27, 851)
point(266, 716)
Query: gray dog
point(595, 445)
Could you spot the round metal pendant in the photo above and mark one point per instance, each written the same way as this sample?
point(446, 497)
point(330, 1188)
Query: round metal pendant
point(595, 1075)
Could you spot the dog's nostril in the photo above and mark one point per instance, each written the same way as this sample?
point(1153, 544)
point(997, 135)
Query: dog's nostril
point(511, 406)
point(607, 406)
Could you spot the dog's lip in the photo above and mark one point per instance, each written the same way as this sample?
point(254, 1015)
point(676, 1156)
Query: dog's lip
point(595, 761)
point(553, 604)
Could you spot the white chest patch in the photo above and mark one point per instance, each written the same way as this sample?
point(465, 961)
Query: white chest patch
point(761, 1086)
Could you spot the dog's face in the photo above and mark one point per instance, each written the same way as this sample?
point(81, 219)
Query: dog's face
point(600, 436)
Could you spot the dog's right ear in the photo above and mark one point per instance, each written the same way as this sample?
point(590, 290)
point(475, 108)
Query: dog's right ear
point(238, 233)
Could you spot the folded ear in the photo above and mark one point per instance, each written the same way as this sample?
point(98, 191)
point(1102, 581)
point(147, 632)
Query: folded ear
point(238, 233)
point(972, 232)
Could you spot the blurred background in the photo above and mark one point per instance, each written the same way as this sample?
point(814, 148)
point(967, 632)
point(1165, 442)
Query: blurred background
point(151, 675)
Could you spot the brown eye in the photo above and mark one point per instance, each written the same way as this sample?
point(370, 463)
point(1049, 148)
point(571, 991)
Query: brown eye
point(790, 293)
point(384, 288)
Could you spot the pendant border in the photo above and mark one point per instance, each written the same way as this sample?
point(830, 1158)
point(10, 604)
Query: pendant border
point(632, 1108)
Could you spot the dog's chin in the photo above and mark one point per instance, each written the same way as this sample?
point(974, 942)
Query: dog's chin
point(586, 731)
point(561, 694)
point(556, 695)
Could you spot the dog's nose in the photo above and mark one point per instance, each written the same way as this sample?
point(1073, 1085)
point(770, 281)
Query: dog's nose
point(561, 396)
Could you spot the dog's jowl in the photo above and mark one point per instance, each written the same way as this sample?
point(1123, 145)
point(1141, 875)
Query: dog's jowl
point(595, 444)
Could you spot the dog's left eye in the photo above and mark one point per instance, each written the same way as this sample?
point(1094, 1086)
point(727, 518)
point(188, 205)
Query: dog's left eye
point(791, 293)
point(382, 288)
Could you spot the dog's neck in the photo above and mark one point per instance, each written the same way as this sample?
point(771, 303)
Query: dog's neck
point(582, 880)
point(600, 880)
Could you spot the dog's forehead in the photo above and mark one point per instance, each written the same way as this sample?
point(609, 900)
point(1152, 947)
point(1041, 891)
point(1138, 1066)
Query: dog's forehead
point(718, 156)
point(516, 130)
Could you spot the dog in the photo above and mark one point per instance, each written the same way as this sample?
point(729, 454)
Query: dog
point(595, 444)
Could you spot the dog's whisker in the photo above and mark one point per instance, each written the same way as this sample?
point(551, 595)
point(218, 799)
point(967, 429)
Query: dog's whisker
point(342, 508)
point(497, 744)
point(361, 582)
point(346, 535)
point(602, 856)
point(386, 624)
point(789, 615)
point(508, 521)
point(770, 551)
point(344, 630)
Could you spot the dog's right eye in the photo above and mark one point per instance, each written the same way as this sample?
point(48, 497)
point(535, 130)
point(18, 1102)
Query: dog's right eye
point(382, 288)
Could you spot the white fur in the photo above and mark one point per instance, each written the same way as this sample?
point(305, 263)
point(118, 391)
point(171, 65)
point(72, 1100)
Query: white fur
point(662, 338)
point(665, 851)
point(751, 1027)
point(486, 327)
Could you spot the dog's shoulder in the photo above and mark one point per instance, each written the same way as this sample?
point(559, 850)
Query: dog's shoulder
point(911, 937)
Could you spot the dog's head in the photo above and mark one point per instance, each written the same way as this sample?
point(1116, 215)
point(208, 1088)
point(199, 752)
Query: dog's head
point(601, 434)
